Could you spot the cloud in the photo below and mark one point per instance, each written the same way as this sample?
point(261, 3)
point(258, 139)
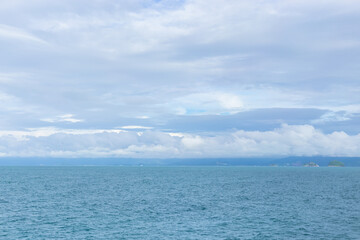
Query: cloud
point(63, 118)
point(18, 34)
point(207, 103)
point(289, 140)
point(192, 67)
point(49, 131)
point(332, 117)
point(135, 127)
point(264, 119)
point(142, 117)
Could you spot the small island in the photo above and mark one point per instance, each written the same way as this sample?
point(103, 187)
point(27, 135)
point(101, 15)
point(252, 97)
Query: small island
point(336, 163)
point(311, 164)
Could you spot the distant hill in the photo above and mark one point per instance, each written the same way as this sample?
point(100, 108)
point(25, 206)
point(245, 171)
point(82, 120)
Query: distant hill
point(335, 163)
point(288, 161)
point(320, 160)
point(311, 164)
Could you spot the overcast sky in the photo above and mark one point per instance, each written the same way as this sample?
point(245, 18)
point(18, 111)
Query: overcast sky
point(172, 78)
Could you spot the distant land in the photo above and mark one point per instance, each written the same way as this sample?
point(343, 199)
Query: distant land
point(287, 161)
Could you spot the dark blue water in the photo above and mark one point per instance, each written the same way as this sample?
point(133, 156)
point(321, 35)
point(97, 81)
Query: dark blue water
point(179, 203)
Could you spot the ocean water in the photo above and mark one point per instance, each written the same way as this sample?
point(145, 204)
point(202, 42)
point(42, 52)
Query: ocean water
point(179, 203)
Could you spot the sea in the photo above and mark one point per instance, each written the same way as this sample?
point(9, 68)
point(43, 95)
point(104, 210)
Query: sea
point(114, 202)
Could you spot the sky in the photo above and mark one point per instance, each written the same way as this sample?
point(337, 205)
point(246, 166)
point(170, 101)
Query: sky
point(179, 78)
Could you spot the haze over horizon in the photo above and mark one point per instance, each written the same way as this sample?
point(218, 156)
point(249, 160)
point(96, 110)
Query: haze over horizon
point(179, 79)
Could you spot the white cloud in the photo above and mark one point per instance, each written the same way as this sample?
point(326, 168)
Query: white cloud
point(48, 131)
point(10, 102)
point(192, 142)
point(18, 34)
point(143, 117)
point(332, 117)
point(135, 127)
point(207, 103)
point(63, 118)
point(297, 140)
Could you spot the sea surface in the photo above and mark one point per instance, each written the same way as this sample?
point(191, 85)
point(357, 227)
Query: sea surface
point(179, 203)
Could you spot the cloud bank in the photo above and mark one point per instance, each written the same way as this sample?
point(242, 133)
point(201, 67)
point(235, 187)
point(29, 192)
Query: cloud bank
point(289, 140)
